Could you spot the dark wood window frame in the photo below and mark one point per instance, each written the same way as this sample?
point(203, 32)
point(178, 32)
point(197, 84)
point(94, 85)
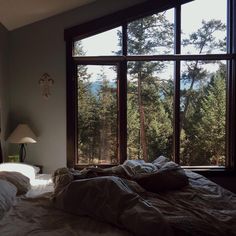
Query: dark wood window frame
point(122, 18)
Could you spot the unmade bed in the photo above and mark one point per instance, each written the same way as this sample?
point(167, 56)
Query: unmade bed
point(199, 208)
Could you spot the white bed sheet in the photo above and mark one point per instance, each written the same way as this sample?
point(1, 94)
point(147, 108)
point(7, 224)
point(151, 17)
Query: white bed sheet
point(40, 185)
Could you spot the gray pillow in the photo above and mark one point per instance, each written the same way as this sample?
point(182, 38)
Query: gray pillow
point(7, 196)
point(163, 180)
point(21, 182)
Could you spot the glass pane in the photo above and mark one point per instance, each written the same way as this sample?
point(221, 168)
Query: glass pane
point(203, 113)
point(204, 27)
point(104, 44)
point(152, 35)
point(97, 115)
point(150, 110)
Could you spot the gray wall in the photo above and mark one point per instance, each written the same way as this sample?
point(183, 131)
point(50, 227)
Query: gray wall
point(4, 90)
point(34, 50)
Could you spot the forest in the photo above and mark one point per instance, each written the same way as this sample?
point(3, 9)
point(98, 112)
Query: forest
point(150, 98)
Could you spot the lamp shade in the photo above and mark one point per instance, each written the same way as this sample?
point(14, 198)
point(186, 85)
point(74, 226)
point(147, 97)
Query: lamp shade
point(22, 134)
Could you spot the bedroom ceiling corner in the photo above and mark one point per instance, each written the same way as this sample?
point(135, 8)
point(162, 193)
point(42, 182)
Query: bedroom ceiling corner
point(17, 13)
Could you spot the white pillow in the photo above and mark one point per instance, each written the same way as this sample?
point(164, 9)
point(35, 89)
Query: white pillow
point(25, 169)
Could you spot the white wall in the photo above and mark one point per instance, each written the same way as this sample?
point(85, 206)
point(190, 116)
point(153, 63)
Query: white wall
point(4, 90)
point(34, 50)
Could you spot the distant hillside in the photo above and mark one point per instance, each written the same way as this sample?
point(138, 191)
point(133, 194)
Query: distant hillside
point(96, 85)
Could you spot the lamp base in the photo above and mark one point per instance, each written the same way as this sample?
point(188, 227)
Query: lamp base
point(22, 152)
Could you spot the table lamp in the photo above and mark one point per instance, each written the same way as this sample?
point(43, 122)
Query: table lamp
point(22, 135)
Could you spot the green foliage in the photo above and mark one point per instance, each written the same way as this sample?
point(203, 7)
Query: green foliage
point(211, 127)
point(150, 100)
point(197, 82)
point(97, 119)
point(150, 35)
point(204, 39)
point(149, 124)
point(204, 141)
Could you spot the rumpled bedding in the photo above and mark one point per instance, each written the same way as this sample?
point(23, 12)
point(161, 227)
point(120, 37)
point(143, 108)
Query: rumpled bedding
point(153, 199)
point(202, 208)
point(37, 216)
point(117, 192)
point(161, 175)
point(113, 200)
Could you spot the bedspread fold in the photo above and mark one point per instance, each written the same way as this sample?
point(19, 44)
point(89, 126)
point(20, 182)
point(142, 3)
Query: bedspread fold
point(113, 194)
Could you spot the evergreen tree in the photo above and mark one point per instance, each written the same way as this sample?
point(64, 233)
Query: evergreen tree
point(149, 35)
point(88, 127)
point(194, 80)
point(107, 103)
point(150, 100)
point(211, 126)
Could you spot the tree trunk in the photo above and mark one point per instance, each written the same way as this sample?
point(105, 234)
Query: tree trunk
point(188, 97)
point(142, 120)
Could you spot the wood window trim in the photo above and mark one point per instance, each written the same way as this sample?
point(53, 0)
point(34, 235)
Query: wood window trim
point(120, 19)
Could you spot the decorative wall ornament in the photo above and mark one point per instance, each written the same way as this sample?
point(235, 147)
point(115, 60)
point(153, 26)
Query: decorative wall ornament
point(45, 83)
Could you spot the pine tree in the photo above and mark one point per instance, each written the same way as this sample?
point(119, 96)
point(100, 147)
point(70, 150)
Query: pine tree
point(194, 79)
point(107, 104)
point(211, 126)
point(88, 127)
point(149, 35)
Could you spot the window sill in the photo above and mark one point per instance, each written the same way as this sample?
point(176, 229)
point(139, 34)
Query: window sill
point(211, 171)
point(82, 166)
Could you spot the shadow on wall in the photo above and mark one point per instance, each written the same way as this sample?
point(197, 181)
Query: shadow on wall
point(1, 156)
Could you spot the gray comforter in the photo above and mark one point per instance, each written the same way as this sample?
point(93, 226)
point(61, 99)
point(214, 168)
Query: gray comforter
point(113, 194)
point(116, 197)
point(115, 201)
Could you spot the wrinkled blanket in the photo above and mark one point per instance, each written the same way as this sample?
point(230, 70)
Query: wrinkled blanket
point(159, 176)
point(118, 196)
point(200, 208)
point(113, 200)
point(113, 194)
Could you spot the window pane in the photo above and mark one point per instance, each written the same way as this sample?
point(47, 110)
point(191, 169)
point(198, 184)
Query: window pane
point(150, 110)
point(104, 44)
point(152, 35)
point(204, 27)
point(203, 113)
point(97, 115)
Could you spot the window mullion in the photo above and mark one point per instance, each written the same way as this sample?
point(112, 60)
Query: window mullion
point(231, 86)
point(233, 104)
point(124, 40)
point(176, 122)
point(123, 100)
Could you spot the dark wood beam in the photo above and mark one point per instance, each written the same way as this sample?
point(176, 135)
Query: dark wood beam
point(116, 19)
point(71, 106)
point(174, 57)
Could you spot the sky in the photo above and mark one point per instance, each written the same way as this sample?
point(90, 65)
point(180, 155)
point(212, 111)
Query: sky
point(192, 15)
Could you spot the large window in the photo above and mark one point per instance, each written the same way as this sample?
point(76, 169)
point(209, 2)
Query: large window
point(161, 84)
